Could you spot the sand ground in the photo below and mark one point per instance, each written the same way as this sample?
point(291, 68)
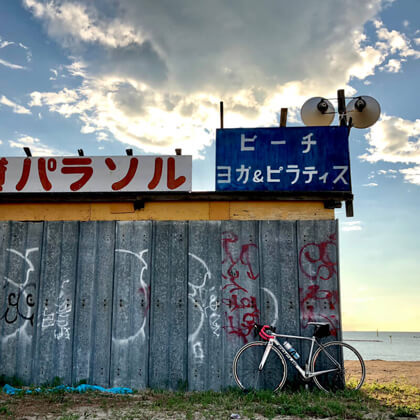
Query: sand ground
point(384, 371)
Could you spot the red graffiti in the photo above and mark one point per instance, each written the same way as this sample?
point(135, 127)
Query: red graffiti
point(327, 299)
point(243, 312)
point(242, 327)
point(314, 259)
point(234, 303)
point(229, 241)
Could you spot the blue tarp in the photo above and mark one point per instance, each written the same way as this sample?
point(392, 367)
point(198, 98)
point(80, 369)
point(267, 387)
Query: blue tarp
point(81, 388)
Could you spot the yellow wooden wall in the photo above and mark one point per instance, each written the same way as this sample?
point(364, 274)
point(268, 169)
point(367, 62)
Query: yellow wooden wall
point(168, 210)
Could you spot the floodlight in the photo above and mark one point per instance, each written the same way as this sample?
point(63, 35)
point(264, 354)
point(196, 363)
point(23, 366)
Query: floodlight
point(364, 111)
point(317, 111)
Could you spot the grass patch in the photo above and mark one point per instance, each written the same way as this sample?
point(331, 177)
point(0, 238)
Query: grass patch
point(373, 401)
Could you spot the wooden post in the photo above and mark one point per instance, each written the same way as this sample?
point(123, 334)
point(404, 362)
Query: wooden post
point(341, 107)
point(178, 152)
point(221, 114)
point(349, 208)
point(283, 117)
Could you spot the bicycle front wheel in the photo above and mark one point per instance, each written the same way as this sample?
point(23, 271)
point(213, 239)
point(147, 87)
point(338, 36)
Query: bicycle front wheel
point(246, 370)
point(347, 365)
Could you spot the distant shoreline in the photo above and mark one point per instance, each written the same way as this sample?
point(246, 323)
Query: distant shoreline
point(382, 332)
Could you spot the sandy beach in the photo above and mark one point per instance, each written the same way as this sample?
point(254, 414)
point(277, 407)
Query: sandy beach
point(385, 371)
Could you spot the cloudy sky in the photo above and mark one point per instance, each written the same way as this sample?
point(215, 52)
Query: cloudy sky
point(104, 75)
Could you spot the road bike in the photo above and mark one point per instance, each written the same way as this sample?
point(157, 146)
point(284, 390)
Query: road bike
point(332, 366)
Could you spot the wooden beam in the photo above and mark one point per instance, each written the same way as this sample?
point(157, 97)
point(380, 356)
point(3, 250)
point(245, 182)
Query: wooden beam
point(283, 117)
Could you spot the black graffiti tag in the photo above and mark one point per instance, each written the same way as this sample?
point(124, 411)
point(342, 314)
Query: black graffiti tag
point(20, 304)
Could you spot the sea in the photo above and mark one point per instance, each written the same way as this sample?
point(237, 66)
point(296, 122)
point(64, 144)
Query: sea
point(385, 345)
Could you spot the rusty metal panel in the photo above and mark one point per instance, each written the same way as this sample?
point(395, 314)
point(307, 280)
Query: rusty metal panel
point(55, 310)
point(130, 322)
point(20, 248)
point(205, 366)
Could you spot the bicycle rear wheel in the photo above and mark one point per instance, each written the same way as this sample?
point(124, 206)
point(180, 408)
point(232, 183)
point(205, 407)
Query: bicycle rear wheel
point(246, 368)
point(349, 367)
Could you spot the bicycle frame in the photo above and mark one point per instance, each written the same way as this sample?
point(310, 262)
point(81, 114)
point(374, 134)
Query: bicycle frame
point(306, 374)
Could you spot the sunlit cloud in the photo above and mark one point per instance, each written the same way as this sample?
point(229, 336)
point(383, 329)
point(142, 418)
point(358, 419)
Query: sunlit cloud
point(37, 147)
point(412, 175)
point(393, 66)
point(149, 86)
point(393, 139)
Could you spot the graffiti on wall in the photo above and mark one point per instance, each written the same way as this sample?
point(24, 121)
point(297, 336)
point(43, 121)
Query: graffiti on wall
point(205, 299)
point(240, 275)
point(144, 290)
point(20, 297)
point(318, 301)
point(60, 318)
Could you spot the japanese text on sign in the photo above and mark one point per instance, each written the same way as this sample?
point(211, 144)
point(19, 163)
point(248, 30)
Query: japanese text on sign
point(95, 174)
point(283, 159)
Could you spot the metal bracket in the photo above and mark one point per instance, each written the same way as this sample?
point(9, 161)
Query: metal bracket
point(349, 208)
point(138, 204)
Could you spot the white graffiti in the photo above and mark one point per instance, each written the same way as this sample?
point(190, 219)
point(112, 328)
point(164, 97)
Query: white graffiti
point(276, 305)
point(205, 300)
point(25, 293)
point(60, 318)
point(144, 289)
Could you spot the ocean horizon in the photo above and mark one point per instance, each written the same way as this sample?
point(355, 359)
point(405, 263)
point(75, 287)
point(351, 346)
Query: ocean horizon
point(385, 345)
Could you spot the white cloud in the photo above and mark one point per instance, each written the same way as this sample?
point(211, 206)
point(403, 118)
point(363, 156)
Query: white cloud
point(11, 65)
point(158, 73)
point(396, 140)
point(393, 66)
point(393, 139)
point(17, 109)
point(54, 99)
point(397, 42)
point(4, 44)
point(76, 22)
point(412, 175)
point(355, 225)
point(370, 184)
point(37, 147)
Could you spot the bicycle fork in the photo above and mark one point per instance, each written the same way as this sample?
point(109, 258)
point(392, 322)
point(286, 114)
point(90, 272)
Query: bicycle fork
point(265, 355)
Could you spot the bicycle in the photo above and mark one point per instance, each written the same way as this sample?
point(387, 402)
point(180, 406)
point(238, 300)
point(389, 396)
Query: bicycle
point(262, 364)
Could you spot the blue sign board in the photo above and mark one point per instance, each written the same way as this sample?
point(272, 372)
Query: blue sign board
point(290, 159)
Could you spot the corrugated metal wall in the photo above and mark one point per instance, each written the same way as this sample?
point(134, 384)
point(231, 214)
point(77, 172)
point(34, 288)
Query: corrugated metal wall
point(156, 304)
